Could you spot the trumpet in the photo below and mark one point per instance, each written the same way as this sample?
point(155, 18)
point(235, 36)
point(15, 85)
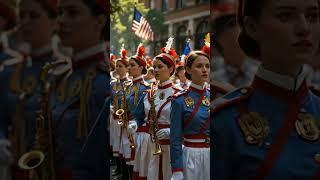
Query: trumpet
point(153, 127)
point(122, 114)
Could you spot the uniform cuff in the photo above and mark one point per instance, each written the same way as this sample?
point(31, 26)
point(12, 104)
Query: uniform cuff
point(177, 170)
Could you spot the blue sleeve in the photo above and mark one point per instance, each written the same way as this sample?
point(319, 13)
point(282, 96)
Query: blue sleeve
point(139, 114)
point(176, 118)
point(222, 149)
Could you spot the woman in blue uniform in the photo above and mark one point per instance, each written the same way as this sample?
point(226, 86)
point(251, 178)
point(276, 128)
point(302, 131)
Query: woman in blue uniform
point(116, 103)
point(189, 128)
point(80, 111)
point(137, 68)
point(270, 130)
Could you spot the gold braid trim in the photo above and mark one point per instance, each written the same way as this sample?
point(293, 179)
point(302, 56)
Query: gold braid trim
point(15, 80)
point(84, 104)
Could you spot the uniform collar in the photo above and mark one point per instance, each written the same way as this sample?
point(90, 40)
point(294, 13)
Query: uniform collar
point(282, 86)
point(137, 79)
point(165, 84)
point(89, 52)
point(283, 81)
point(89, 56)
point(197, 88)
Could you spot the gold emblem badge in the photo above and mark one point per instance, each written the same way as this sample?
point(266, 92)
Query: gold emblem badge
point(29, 84)
point(189, 101)
point(254, 127)
point(161, 96)
point(206, 102)
point(74, 88)
point(307, 128)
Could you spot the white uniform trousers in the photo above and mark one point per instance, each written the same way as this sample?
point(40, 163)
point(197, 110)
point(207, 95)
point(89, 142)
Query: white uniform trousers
point(154, 163)
point(196, 163)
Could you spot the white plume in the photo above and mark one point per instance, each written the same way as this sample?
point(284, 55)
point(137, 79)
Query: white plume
point(169, 45)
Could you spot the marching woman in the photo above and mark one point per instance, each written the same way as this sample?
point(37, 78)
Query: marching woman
point(80, 111)
point(270, 130)
point(190, 121)
point(137, 68)
point(116, 103)
point(157, 112)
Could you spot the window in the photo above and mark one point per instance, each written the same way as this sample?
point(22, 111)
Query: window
point(164, 6)
point(181, 36)
point(179, 4)
point(201, 32)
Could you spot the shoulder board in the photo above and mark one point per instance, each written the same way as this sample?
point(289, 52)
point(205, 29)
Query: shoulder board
point(144, 83)
point(315, 90)
point(222, 88)
point(178, 94)
point(231, 98)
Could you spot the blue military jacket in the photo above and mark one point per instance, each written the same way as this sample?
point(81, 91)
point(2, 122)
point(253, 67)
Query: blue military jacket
point(182, 106)
point(135, 102)
point(84, 95)
point(246, 122)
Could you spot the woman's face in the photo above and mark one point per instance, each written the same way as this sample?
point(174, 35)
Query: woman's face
point(161, 70)
point(36, 27)
point(199, 70)
point(79, 29)
point(121, 69)
point(181, 74)
point(134, 69)
point(288, 30)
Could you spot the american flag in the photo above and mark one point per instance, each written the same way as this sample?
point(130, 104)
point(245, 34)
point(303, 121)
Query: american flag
point(141, 27)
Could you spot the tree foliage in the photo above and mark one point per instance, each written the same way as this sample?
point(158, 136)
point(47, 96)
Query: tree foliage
point(121, 20)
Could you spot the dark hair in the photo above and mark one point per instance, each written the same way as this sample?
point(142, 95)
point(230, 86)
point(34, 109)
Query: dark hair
point(191, 58)
point(144, 70)
point(120, 60)
point(97, 10)
point(166, 63)
point(219, 25)
point(251, 8)
point(52, 12)
point(178, 69)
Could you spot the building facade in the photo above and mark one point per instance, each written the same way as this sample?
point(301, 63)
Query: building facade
point(185, 19)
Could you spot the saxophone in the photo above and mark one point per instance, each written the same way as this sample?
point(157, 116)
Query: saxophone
point(40, 162)
point(122, 113)
point(153, 123)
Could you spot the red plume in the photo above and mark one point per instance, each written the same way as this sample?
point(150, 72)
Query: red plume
point(112, 57)
point(206, 49)
point(162, 50)
point(141, 50)
point(124, 53)
point(173, 53)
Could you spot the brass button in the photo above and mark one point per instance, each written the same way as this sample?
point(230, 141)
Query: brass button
point(244, 91)
point(317, 157)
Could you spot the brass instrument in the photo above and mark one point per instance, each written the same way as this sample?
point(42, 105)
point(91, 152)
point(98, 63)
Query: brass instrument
point(153, 123)
point(40, 162)
point(122, 113)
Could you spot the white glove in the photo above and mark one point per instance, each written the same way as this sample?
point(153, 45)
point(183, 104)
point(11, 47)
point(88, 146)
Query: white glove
point(177, 176)
point(163, 133)
point(5, 154)
point(132, 127)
